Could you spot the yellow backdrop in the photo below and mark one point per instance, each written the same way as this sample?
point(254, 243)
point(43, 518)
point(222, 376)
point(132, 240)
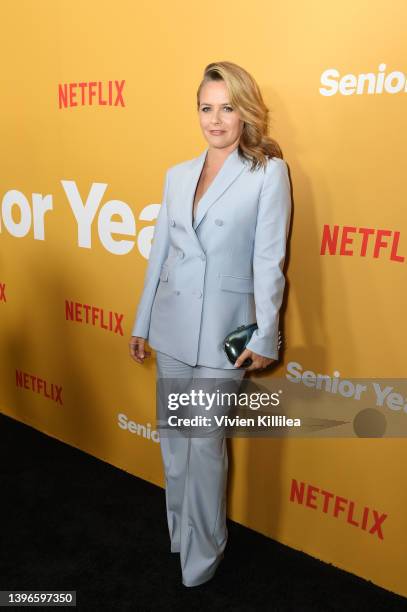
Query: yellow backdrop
point(98, 100)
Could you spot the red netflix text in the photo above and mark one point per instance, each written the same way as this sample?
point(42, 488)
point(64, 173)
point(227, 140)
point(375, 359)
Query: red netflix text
point(362, 242)
point(93, 315)
point(365, 518)
point(92, 93)
point(38, 385)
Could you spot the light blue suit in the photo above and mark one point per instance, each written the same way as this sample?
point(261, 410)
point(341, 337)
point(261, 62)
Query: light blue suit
point(203, 280)
point(225, 269)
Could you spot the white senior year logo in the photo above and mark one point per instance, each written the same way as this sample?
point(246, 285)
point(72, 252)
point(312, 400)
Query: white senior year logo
point(365, 83)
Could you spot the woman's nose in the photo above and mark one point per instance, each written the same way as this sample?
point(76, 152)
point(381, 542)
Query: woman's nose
point(215, 118)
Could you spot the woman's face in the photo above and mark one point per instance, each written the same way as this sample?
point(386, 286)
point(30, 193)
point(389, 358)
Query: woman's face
point(220, 122)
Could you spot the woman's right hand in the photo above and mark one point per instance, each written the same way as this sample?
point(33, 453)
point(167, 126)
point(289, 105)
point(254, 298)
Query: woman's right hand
point(137, 350)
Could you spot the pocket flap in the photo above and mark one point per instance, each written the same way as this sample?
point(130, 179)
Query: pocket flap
point(243, 284)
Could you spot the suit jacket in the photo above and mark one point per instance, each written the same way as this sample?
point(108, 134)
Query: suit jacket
point(225, 269)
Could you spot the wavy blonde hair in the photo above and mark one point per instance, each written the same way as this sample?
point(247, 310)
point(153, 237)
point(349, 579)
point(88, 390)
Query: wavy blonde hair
point(245, 96)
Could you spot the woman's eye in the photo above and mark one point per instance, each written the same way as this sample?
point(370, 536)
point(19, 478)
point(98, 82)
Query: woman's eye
point(228, 108)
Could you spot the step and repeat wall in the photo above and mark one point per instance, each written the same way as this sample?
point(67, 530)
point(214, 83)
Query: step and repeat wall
point(98, 101)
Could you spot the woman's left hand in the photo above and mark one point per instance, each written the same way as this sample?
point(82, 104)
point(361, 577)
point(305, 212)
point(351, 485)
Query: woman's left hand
point(258, 361)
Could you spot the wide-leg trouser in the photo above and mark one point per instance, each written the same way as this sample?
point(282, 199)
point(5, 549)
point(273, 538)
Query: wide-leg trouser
point(196, 478)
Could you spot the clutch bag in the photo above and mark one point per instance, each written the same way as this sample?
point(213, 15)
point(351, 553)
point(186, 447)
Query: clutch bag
point(235, 343)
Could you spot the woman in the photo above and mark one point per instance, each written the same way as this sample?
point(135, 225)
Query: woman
point(216, 262)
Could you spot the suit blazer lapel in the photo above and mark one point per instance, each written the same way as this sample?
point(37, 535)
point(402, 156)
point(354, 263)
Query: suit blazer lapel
point(229, 171)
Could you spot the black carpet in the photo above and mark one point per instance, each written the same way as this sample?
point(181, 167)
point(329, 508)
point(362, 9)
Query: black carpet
point(72, 522)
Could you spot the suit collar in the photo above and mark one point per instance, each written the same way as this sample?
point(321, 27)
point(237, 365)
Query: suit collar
point(232, 167)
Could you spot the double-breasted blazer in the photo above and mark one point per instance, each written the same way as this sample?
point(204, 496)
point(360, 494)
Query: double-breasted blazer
point(206, 277)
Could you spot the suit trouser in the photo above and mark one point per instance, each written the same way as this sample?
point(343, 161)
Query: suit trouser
point(196, 479)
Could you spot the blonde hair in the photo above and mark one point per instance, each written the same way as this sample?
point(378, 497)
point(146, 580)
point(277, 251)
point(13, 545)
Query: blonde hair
point(245, 96)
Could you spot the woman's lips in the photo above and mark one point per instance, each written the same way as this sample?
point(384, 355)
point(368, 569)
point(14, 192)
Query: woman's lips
point(217, 132)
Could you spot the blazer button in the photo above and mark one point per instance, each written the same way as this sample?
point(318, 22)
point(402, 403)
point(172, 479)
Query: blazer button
point(199, 294)
point(218, 221)
point(181, 254)
point(176, 292)
point(203, 257)
point(172, 222)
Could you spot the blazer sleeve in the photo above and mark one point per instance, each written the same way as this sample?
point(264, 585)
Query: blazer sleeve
point(158, 253)
point(273, 221)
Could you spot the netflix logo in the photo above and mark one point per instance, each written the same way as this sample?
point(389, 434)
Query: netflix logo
point(33, 383)
point(360, 242)
point(92, 93)
point(87, 314)
point(365, 518)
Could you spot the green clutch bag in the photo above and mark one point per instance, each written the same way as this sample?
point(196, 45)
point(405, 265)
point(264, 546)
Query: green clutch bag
point(235, 343)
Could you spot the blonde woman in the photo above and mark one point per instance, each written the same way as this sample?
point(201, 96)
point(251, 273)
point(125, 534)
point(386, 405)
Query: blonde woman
point(216, 263)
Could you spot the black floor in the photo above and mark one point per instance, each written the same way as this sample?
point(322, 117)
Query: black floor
point(70, 521)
